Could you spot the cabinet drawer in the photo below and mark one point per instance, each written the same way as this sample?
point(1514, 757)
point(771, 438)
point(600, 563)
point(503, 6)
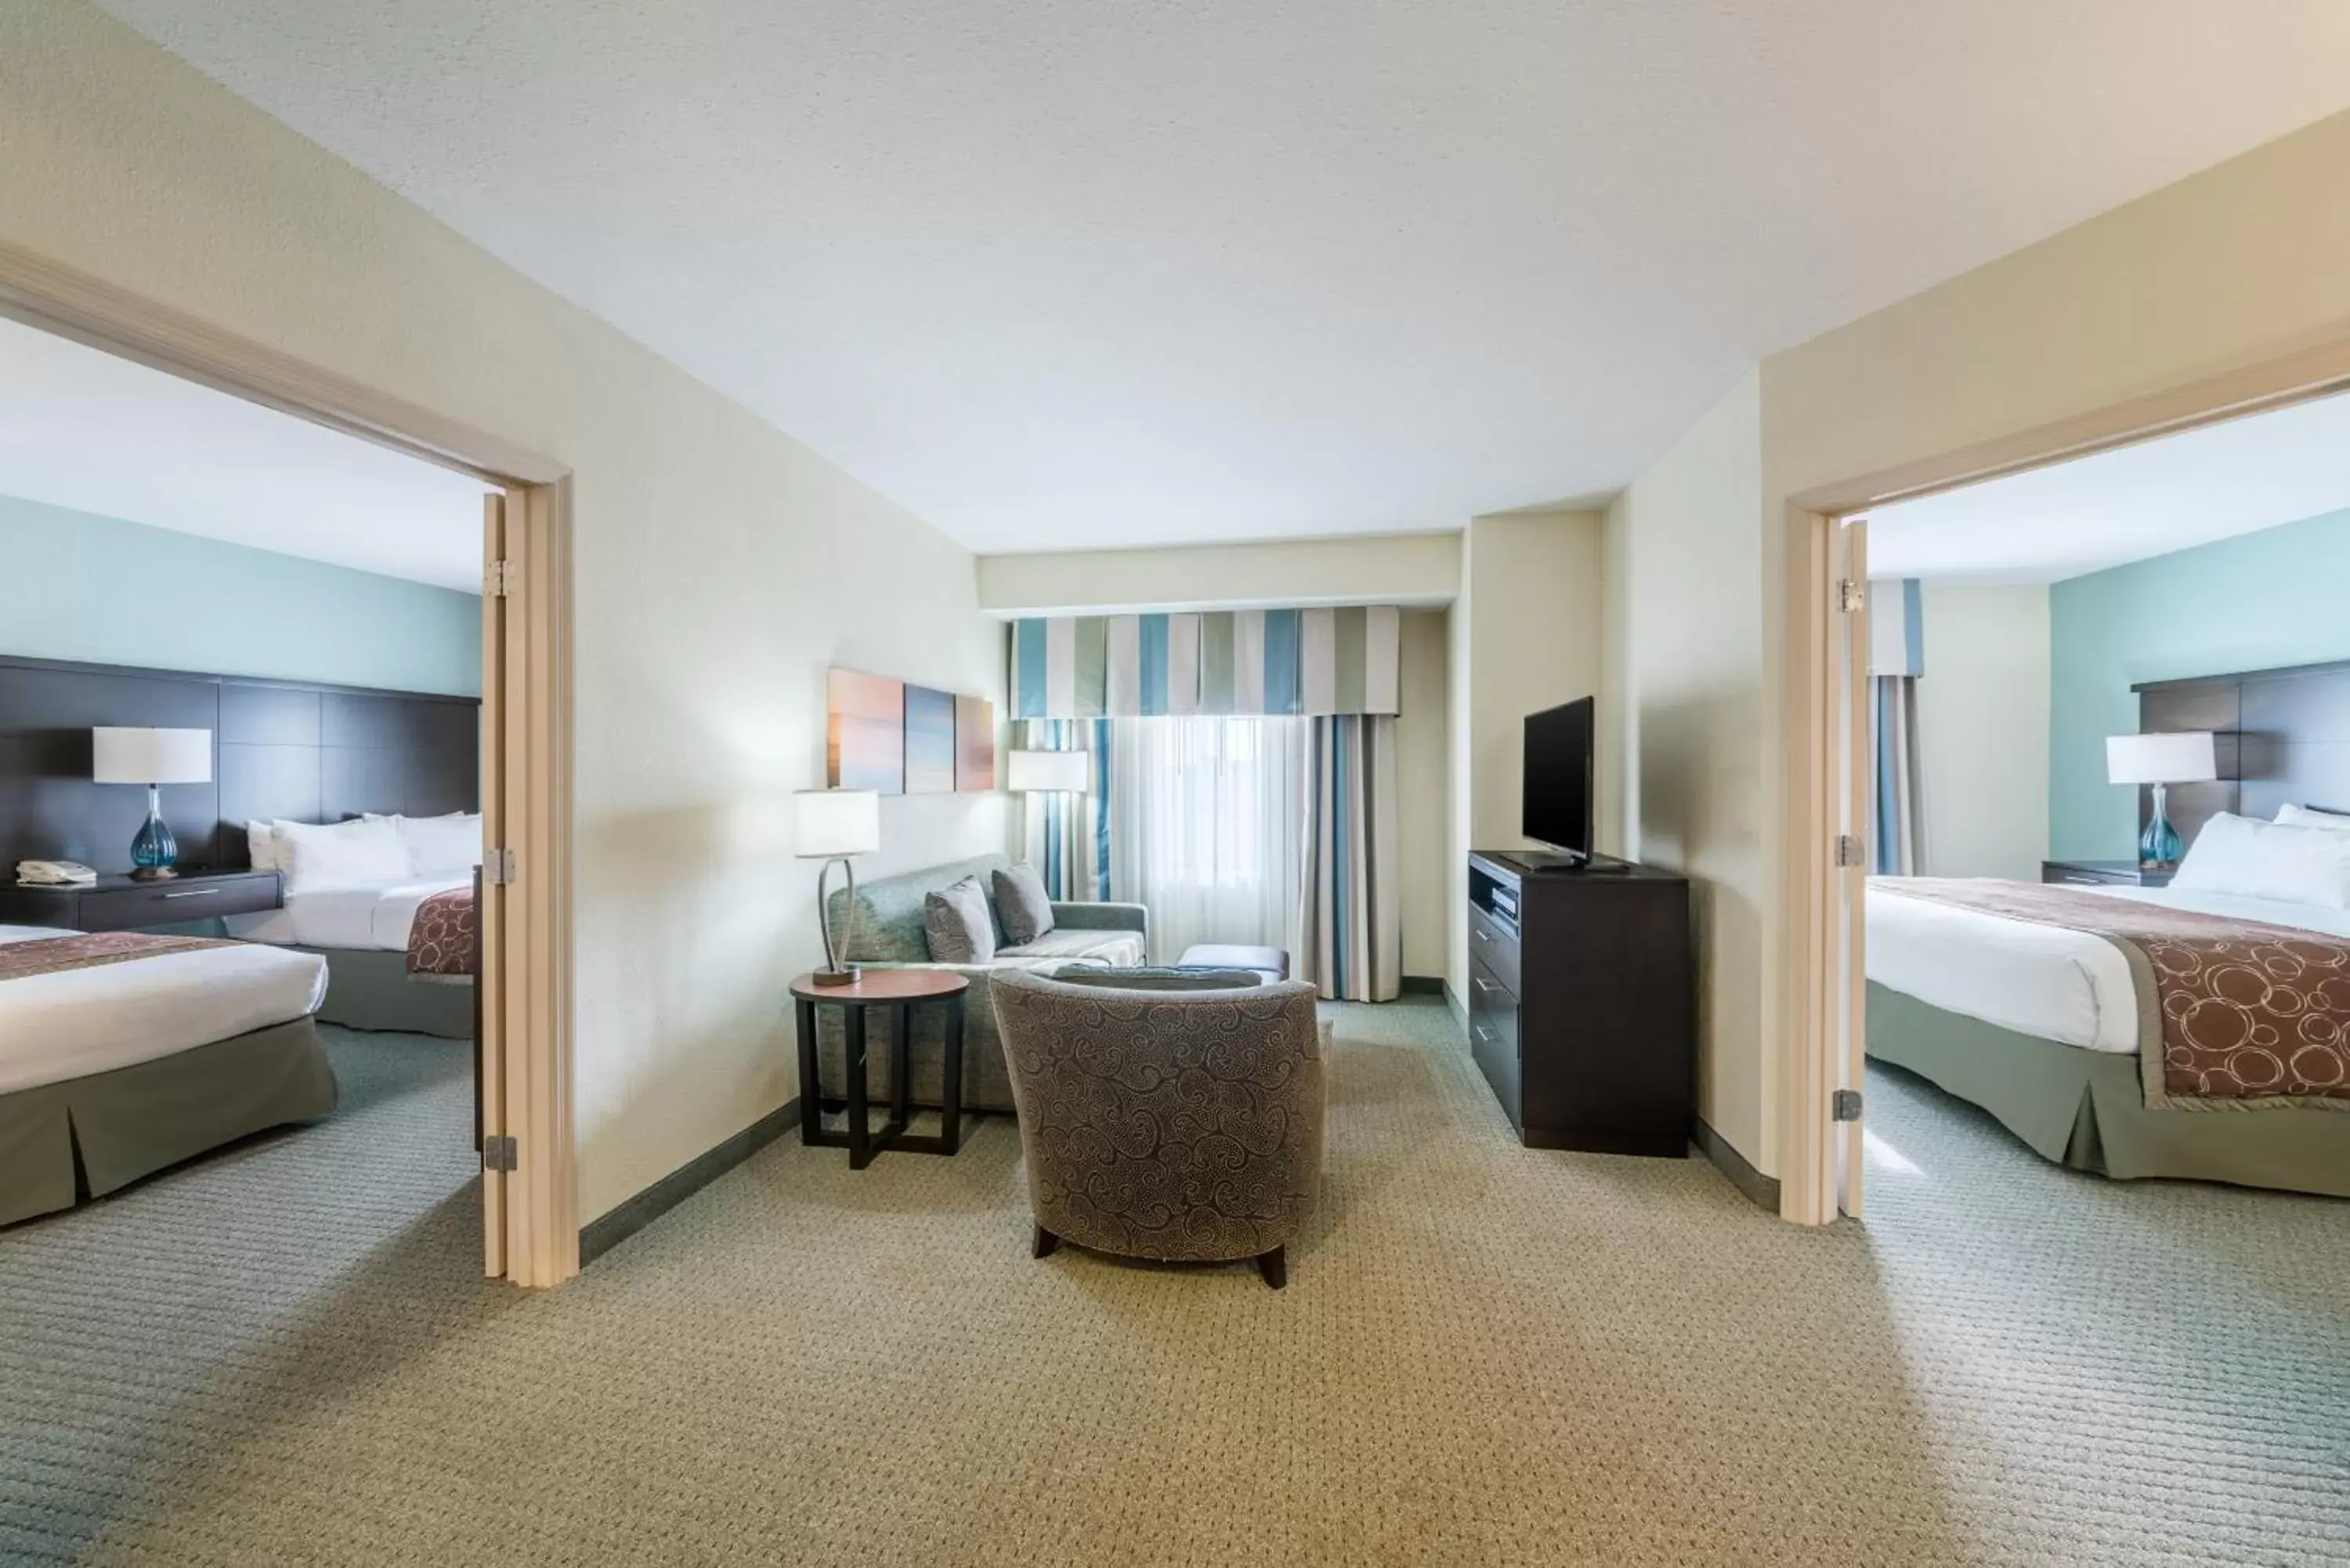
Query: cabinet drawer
point(163, 903)
point(1493, 1043)
point(1496, 946)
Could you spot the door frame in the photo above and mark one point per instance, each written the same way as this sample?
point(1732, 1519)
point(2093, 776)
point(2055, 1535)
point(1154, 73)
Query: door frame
point(1813, 1045)
point(526, 784)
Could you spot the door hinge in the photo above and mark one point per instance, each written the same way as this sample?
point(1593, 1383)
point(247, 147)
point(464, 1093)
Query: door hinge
point(500, 1153)
point(1843, 1105)
point(500, 576)
point(1851, 596)
point(1850, 851)
point(499, 868)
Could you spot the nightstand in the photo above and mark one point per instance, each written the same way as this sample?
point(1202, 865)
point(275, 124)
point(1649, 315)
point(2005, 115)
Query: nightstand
point(2104, 873)
point(119, 904)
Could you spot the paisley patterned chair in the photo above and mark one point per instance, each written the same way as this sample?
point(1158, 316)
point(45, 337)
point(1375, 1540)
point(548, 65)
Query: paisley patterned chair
point(1170, 1124)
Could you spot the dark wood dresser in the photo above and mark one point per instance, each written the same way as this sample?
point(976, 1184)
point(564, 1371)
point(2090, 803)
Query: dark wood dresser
point(1582, 1002)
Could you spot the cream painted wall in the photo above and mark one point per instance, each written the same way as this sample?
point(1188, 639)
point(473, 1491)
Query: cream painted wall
point(1684, 663)
point(720, 565)
point(1368, 568)
point(1535, 640)
point(2243, 263)
point(1423, 789)
point(1983, 729)
point(1460, 797)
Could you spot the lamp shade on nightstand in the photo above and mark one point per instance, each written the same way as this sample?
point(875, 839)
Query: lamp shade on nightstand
point(120, 755)
point(1068, 772)
point(2185, 756)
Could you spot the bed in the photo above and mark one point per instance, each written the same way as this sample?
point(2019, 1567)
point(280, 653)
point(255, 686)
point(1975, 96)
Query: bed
point(122, 1053)
point(353, 893)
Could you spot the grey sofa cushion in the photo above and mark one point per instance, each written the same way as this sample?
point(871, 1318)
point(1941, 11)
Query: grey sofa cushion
point(1124, 949)
point(1021, 899)
point(956, 924)
point(1161, 979)
point(889, 909)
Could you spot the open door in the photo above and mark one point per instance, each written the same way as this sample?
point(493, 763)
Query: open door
point(1854, 795)
point(529, 1227)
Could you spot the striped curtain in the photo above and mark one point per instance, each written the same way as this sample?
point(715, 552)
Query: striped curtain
point(1067, 836)
point(1897, 658)
point(1241, 663)
point(1353, 947)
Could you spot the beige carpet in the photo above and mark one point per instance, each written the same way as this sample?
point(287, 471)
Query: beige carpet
point(1485, 1356)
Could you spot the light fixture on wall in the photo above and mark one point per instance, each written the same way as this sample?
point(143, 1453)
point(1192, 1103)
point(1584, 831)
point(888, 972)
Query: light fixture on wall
point(1048, 773)
point(153, 758)
point(831, 824)
point(2182, 756)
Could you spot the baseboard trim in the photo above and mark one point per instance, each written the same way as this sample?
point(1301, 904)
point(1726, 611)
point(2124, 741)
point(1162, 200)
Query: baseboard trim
point(609, 1230)
point(1761, 1189)
point(1423, 985)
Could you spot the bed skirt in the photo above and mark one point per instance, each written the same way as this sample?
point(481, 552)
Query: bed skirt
point(369, 988)
point(2086, 1109)
point(134, 1121)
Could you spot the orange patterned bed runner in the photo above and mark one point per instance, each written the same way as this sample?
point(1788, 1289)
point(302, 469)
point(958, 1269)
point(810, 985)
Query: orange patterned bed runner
point(445, 937)
point(89, 950)
point(2250, 1015)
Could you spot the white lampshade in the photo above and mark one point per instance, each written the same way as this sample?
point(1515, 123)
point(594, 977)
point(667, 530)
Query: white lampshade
point(150, 756)
point(2181, 757)
point(1066, 771)
point(826, 822)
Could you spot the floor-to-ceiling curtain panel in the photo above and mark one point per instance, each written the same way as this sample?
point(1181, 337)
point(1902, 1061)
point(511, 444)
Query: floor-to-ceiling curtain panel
point(1899, 831)
point(1896, 658)
point(1352, 944)
point(1067, 836)
point(1207, 827)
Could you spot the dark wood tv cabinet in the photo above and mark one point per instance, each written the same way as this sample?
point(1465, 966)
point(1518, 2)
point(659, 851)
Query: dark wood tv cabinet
point(1582, 1002)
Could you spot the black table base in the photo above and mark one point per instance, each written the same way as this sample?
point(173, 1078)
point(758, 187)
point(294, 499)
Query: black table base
point(859, 1139)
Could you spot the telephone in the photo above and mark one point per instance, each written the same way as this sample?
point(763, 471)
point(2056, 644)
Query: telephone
point(54, 874)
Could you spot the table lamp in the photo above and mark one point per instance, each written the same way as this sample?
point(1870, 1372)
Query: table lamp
point(832, 825)
point(1056, 772)
point(2181, 756)
point(154, 758)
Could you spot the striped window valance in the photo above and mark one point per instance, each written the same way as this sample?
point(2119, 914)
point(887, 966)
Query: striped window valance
point(1210, 661)
point(1897, 632)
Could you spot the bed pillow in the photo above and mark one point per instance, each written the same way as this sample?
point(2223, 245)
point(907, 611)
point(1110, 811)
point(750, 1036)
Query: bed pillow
point(447, 845)
point(1025, 907)
point(262, 847)
point(337, 854)
point(956, 926)
point(2309, 816)
point(2253, 859)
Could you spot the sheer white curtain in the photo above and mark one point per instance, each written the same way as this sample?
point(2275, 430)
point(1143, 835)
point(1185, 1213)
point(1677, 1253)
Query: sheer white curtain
point(1208, 829)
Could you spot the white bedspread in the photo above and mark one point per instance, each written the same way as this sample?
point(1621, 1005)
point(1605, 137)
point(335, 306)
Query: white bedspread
point(2063, 985)
point(58, 1026)
point(361, 915)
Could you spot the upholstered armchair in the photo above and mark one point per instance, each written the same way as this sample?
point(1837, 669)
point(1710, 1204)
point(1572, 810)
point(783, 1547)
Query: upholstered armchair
point(1168, 1124)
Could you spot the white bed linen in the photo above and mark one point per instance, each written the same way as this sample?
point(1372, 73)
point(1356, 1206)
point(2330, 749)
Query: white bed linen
point(361, 915)
point(58, 1026)
point(2045, 980)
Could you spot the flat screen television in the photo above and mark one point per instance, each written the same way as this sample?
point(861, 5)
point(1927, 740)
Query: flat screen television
point(1556, 807)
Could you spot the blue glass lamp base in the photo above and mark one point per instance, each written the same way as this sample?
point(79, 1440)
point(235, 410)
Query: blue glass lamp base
point(154, 851)
point(2158, 847)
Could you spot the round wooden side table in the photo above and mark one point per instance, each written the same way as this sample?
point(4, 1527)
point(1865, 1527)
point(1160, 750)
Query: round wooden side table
point(899, 991)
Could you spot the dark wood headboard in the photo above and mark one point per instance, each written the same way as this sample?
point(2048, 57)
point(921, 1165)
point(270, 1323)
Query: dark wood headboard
point(2284, 737)
point(280, 748)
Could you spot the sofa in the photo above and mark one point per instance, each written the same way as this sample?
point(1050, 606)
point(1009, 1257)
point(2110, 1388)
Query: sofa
point(1180, 1119)
point(888, 935)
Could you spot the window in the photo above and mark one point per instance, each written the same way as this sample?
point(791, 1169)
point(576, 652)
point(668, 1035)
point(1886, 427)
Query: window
point(1207, 828)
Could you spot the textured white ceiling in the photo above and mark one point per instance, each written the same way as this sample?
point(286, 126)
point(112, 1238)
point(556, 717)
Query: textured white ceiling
point(86, 430)
point(2125, 504)
point(1057, 275)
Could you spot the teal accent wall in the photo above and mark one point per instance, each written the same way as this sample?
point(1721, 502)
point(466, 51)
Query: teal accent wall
point(103, 591)
point(2258, 601)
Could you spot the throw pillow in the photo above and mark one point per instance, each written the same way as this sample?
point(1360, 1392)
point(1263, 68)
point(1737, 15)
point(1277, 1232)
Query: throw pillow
point(1021, 899)
point(956, 925)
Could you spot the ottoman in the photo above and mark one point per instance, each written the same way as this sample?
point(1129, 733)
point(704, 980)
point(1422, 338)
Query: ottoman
point(1270, 962)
